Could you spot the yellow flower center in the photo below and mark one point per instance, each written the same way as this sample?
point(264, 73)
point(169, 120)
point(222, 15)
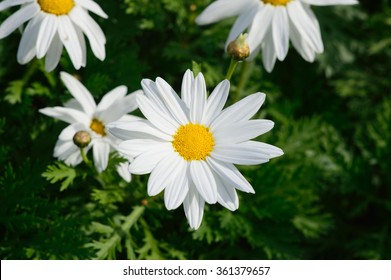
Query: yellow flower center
point(193, 142)
point(276, 2)
point(56, 7)
point(98, 127)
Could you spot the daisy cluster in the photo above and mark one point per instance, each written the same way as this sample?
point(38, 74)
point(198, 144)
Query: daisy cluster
point(189, 144)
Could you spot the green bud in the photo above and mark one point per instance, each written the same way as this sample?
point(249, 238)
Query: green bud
point(82, 139)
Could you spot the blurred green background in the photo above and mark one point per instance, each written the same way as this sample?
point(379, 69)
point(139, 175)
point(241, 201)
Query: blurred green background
point(328, 197)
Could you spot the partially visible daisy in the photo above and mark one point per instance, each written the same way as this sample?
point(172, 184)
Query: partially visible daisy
point(190, 144)
point(83, 114)
point(271, 24)
point(52, 25)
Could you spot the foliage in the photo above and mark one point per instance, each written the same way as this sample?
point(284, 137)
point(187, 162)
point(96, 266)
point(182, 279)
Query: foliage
point(328, 197)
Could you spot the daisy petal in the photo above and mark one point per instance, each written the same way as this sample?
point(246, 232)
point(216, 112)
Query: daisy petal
point(10, 3)
point(260, 26)
point(330, 2)
point(280, 32)
point(101, 152)
point(176, 192)
point(27, 50)
point(241, 24)
point(83, 46)
point(193, 205)
point(226, 195)
point(269, 55)
point(93, 7)
point(230, 175)
point(174, 104)
point(70, 39)
point(92, 30)
point(241, 153)
point(54, 54)
point(70, 131)
point(204, 180)
point(242, 131)
point(119, 108)
point(240, 111)
point(304, 25)
point(148, 160)
point(164, 171)
point(156, 116)
point(17, 19)
point(187, 85)
point(123, 171)
point(152, 92)
point(80, 93)
point(66, 115)
point(222, 9)
point(46, 34)
point(198, 99)
point(112, 96)
point(216, 102)
point(135, 147)
point(137, 130)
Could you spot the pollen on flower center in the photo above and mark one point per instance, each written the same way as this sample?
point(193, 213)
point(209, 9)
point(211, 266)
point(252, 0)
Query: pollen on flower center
point(56, 7)
point(98, 127)
point(193, 142)
point(276, 2)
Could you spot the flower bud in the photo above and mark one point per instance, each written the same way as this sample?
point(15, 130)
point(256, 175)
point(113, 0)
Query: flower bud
point(239, 49)
point(82, 139)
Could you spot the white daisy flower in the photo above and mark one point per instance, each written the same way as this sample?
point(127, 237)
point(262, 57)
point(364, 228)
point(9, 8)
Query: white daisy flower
point(83, 114)
point(271, 24)
point(190, 145)
point(53, 24)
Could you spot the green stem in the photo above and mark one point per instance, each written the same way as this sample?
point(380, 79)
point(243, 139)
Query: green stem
point(231, 69)
point(244, 76)
point(84, 156)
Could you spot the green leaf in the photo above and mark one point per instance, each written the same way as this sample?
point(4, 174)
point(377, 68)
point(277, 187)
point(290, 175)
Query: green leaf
point(60, 172)
point(14, 92)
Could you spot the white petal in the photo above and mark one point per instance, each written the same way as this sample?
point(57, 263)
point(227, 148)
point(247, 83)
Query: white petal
point(260, 26)
point(156, 116)
point(135, 147)
point(271, 150)
point(93, 7)
point(230, 175)
point(92, 30)
point(280, 32)
point(170, 98)
point(222, 9)
point(74, 159)
point(148, 160)
point(330, 2)
point(193, 205)
point(112, 96)
point(269, 55)
point(176, 192)
point(241, 24)
point(79, 92)
point(123, 171)
point(163, 173)
point(17, 19)
point(70, 39)
point(226, 195)
point(187, 85)
point(10, 3)
point(198, 99)
point(101, 152)
point(245, 153)
point(83, 46)
point(303, 48)
point(66, 114)
point(137, 130)
point(240, 111)
point(54, 54)
point(242, 131)
point(46, 34)
point(64, 149)
point(119, 108)
point(130, 118)
point(216, 102)
point(27, 50)
point(152, 92)
point(304, 25)
point(204, 180)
